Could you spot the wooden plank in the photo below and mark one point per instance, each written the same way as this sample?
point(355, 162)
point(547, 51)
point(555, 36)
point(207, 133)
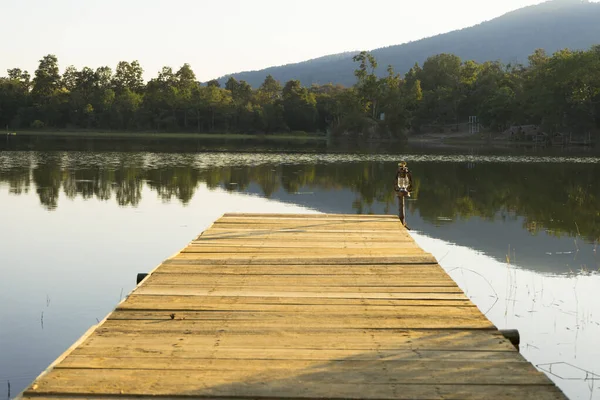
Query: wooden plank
point(190, 321)
point(147, 346)
point(200, 303)
point(191, 290)
point(302, 236)
point(482, 392)
point(301, 240)
point(413, 291)
point(374, 392)
point(302, 251)
point(287, 246)
point(260, 221)
point(346, 380)
point(289, 281)
point(418, 318)
point(367, 227)
point(130, 334)
point(233, 300)
point(239, 293)
point(244, 285)
point(280, 230)
point(278, 260)
point(310, 216)
point(380, 270)
point(261, 315)
point(420, 371)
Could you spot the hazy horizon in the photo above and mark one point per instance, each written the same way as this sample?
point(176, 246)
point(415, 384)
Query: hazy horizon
point(217, 39)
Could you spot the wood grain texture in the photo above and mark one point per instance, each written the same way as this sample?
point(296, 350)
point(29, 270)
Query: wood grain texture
point(276, 306)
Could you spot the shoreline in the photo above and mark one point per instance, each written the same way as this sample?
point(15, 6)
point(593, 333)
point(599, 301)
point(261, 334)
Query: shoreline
point(164, 135)
point(432, 141)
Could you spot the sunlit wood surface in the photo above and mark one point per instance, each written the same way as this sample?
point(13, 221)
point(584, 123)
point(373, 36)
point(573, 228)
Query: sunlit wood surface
point(296, 306)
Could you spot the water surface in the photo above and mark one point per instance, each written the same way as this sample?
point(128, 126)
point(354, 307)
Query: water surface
point(519, 234)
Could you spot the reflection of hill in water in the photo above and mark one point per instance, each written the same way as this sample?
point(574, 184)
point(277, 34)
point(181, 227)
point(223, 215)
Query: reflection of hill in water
point(490, 205)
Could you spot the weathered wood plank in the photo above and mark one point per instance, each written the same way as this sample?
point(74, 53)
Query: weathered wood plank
point(289, 281)
point(417, 371)
point(322, 229)
point(233, 299)
point(408, 286)
point(310, 216)
point(377, 320)
point(326, 228)
point(288, 246)
point(480, 392)
point(303, 236)
point(147, 348)
point(249, 259)
point(341, 270)
point(273, 381)
point(195, 291)
point(304, 222)
point(200, 303)
point(150, 333)
point(303, 251)
point(368, 392)
point(408, 322)
point(302, 241)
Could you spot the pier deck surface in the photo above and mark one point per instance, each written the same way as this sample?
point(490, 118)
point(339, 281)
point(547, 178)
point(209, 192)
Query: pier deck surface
point(296, 306)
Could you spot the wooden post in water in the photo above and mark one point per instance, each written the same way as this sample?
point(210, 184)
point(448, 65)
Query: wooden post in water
point(403, 187)
point(401, 208)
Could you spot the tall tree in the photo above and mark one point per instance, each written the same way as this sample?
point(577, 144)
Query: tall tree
point(47, 79)
point(128, 76)
point(367, 82)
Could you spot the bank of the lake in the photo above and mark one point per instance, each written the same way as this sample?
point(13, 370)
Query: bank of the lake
point(132, 135)
point(316, 141)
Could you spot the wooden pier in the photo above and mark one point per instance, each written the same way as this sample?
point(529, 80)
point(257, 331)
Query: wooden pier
point(299, 307)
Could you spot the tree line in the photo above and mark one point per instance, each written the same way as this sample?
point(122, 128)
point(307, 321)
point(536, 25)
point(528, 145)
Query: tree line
point(559, 93)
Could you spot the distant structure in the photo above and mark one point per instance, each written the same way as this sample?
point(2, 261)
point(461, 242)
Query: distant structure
point(473, 124)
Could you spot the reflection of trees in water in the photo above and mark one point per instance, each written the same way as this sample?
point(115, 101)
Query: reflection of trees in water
point(88, 183)
point(560, 198)
point(48, 178)
point(18, 179)
point(178, 182)
point(128, 185)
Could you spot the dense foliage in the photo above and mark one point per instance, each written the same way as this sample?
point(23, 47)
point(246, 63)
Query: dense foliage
point(561, 93)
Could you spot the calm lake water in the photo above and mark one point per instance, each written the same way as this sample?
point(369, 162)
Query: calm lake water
point(519, 233)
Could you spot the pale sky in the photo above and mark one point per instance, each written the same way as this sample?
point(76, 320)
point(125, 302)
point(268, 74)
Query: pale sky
point(220, 37)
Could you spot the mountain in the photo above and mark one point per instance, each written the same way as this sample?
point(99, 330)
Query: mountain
point(511, 38)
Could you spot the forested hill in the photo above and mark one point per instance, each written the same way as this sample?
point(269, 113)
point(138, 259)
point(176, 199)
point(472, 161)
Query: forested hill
point(511, 38)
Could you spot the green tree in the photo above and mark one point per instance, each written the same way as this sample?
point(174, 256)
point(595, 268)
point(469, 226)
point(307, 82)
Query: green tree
point(367, 83)
point(128, 76)
point(185, 83)
point(300, 111)
point(47, 79)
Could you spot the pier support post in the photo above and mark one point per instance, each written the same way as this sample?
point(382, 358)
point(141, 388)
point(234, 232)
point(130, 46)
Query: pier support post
point(513, 336)
point(402, 208)
point(403, 187)
point(140, 277)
